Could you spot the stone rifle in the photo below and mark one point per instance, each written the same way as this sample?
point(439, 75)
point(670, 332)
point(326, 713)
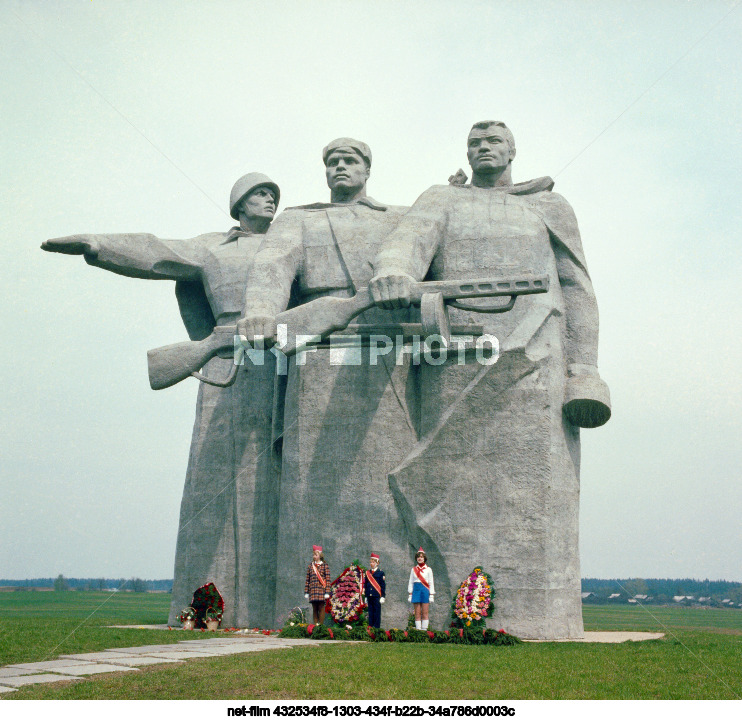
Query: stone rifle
point(319, 318)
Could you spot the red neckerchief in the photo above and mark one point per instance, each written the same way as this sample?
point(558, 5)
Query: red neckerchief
point(317, 573)
point(419, 573)
point(373, 581)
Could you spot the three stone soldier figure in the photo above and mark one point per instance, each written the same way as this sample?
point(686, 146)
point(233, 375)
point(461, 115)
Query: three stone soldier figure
point(228, 512)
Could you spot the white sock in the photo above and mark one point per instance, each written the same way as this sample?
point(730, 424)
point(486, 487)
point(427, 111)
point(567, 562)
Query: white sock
point(425, 625)
point(417, 625)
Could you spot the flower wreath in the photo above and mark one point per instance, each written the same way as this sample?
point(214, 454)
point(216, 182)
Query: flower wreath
point(473, 601)
point(345, 604)
point(206, 598)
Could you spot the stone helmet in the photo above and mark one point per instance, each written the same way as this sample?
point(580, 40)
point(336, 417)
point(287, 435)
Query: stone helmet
point(245, 185)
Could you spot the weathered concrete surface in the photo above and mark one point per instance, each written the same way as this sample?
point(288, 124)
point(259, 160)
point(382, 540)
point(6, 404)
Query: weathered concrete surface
point(494, 480)
point(37, 678)
point(119, 659)
point(89, 669)
point(13, 671)
point(229, 505)
point(606, 637)
point(345, 425)
point(44, 665)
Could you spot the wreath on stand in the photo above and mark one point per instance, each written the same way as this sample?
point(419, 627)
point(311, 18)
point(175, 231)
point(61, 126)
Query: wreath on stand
point(474, 601)
point(345, 605)
point(207, 598)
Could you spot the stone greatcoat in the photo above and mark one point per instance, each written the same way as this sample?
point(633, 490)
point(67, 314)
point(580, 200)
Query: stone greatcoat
point(346, 425)
point(495, 477)
point(228, 514)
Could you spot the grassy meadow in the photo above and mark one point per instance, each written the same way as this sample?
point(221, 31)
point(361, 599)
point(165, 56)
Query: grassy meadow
point(700, 658)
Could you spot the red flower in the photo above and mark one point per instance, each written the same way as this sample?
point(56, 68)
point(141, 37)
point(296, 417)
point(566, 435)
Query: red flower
point(310, 628)
point(388, 635)
point(332, 635)
point(430, 634)
point(461, 633)
point(502, 630)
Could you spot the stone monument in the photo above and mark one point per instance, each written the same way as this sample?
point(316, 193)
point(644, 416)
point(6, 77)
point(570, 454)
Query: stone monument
point(346, 422)
point(376, 445)
point(494, 478)
point(228, 515)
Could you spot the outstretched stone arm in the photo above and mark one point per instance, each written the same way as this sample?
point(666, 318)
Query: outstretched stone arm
point(277, 263)
point(137, 255)
point(408, 250)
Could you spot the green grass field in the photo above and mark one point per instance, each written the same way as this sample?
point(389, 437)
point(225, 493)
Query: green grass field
point(701, 658)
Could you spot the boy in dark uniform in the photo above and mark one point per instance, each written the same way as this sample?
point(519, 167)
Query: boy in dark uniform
point(375, 591)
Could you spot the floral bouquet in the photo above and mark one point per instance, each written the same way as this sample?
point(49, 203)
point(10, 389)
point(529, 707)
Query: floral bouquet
point(473, 601)
point(346, 604)
point(187, 614)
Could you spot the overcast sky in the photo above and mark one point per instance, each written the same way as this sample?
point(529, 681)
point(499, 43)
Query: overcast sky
point(139, 116)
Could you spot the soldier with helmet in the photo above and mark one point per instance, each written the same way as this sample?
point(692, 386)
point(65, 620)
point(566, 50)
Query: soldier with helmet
point(227, 519)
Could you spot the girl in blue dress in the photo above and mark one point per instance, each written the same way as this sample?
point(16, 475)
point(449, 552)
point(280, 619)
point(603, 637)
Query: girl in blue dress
point(421, 589)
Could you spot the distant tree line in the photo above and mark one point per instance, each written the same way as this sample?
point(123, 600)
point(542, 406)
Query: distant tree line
point(663, 590)
point(61, 583)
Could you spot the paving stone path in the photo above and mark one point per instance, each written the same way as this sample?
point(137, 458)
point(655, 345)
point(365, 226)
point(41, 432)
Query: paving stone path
point(74, 667)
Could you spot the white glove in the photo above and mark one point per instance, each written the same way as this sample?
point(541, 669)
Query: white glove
point(327, 595)
point(409, 598)
point(432, 599)
point(306, 595)
point(381, 600)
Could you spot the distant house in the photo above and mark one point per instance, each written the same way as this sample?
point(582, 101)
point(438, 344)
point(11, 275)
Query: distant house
point(704, 599)
point(682, 599)
point(614, 596)
point(587, 594)
point(633, 600)
point(641, 597)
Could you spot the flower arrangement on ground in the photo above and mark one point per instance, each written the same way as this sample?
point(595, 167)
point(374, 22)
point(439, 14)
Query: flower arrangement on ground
point(204, 598)
point(187, 614)
point(379, 635)
point(212, 618)
point(473, 601)
point(346, 604)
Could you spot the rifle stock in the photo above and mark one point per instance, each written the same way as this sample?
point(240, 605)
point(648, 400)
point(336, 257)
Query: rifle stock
point(173, 363)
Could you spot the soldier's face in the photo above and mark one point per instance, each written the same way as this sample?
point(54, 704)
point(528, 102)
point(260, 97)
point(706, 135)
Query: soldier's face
point(347, 170)
point(374, 564)
point(315, 555)
point(488, 150)
point(260, 203)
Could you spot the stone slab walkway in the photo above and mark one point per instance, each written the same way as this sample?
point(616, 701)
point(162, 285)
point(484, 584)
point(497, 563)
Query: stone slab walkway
point(76, 666)
point(608, 637)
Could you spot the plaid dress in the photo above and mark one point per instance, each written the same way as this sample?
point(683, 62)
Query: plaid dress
point(313, 586)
